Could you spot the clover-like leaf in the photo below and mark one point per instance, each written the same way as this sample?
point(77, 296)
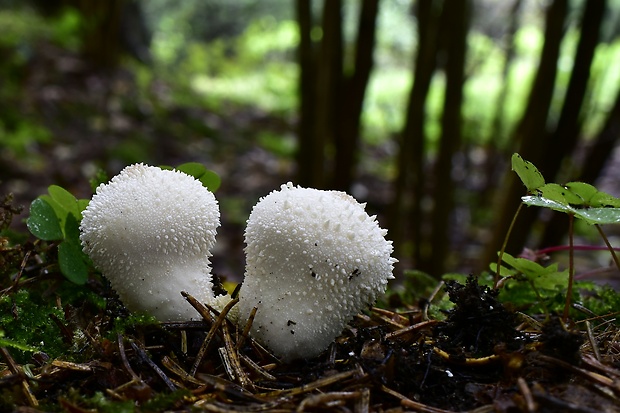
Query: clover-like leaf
point(599, 215)
point(529, 268)
point(527, 172)
point(65, 199)
point(43, 222)
point(604, 200)
point(72, 263)
point(583, 190)
point(207, 177)
point(554, 192)
point(541, 201)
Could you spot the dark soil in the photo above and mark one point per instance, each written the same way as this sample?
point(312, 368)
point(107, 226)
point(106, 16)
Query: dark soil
point(482, 357)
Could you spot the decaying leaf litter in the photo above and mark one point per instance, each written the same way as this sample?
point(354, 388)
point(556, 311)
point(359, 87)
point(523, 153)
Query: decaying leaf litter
point(481, 357)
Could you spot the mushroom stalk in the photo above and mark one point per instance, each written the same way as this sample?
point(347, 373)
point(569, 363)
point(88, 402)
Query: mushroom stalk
point(314, 259)
point(150, 232)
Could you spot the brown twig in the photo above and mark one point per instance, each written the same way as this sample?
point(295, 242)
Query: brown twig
point(530, 404)
point(246, 328)
point(204, 311)
point(17, 370)
point(234, 362)
point(214, 328)
point(595, 378)
point(142, 354)
point(124, 360)
point(409, 329)
point(411, 404)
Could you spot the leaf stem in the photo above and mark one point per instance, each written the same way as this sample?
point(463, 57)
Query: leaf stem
point(501, 251)
point(609, 247)
point(571, 267)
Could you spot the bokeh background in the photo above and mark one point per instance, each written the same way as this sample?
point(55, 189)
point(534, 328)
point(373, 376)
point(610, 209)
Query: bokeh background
point(414, 107)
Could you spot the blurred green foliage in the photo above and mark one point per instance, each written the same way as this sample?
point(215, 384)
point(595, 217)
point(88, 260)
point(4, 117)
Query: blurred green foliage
point(246, 56)
point(22, 31)
point(256, 67)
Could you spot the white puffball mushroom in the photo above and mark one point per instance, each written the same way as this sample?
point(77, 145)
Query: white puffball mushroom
point(150, 232)
point(314, 259)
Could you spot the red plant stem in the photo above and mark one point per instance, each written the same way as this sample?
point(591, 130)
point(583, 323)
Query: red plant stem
point(557, 248)
point(609, 247)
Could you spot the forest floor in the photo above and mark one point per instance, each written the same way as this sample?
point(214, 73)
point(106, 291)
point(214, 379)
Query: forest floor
point(480, 356)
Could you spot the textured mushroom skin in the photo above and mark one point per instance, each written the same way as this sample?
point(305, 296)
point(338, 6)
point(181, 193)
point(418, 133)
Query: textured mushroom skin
point(314, 259)
point(149, 231)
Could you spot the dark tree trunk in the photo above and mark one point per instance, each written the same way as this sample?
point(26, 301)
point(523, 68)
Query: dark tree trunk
point(597, 155)
point(603, 146)
point(354, 88)
point(509, 46)
point(495, 147)
point(409, 183)
point(331, 103)
point(310, 157)
point(530, 134)
point(329, 77)
point(564, 140)
point(456, 20)
point(101, 41)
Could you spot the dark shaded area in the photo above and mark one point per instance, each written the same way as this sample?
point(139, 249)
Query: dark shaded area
point(558, 341)
point(477, 358)
point(479, 322)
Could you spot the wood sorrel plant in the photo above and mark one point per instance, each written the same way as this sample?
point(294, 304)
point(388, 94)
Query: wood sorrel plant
point(577, 200)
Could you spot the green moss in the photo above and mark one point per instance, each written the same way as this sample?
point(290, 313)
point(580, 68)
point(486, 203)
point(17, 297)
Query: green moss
point(130, 323)
point(99, 402)
point(26, 325)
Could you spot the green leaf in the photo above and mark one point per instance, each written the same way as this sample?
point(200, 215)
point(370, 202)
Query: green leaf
point(72, 264)
point(211, 180)
point(583, 190)
point(599, 215)
point(503, 271)
point(590, 215)
point(194, 169)
point(554, 192)
point(527, 172)
point(208, 178)
point(552, 280)
point(529, 268)
point(540, 201)
point(72, 229)
point(603, 199)
point(43, 222)
point(65, 199)
point(82, 204)
point(61, 212)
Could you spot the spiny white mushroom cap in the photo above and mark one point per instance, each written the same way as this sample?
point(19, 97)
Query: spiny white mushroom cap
point(150, 231)
point(314, 259)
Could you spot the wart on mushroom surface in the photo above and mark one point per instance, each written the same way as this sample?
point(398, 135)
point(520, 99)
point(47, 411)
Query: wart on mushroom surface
point(314, 259)
point(150, 232)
